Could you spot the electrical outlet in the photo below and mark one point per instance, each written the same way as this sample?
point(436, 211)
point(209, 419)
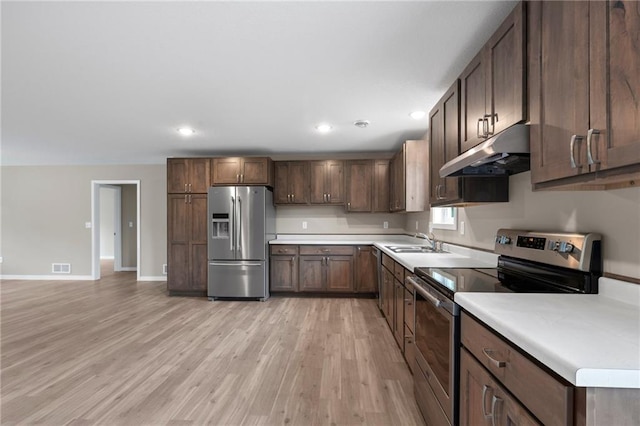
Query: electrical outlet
point(304, 224)
point(385, 224)
point(87, 225)
point(462, 227)
point(130, 224)
point(164, 269)
point(1, 259)
point(417, 223)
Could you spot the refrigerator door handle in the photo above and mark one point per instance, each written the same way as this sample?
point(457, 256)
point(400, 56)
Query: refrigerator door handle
point(239, 233)
point(218, 263)
point(232, 224)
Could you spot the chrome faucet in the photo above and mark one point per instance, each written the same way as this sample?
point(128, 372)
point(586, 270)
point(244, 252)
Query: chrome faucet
point(431, 239)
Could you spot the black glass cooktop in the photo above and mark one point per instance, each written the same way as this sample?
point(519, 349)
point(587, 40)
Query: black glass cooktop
point(451, 280)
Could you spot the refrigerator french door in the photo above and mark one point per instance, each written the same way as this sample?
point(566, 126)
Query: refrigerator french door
point(241, 222)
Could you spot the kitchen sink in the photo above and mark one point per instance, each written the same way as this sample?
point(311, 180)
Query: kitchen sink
point(413, 249)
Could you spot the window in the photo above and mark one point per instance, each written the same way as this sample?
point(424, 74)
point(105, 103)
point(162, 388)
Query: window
point(444, 218)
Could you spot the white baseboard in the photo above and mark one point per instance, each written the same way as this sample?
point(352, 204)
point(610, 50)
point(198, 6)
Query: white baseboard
point(61, 277)
point(152, 278)
point(127, 269)
point(107, 257)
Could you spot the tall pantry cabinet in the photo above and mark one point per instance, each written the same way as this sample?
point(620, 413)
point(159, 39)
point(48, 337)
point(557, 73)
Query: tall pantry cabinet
point(187, 183)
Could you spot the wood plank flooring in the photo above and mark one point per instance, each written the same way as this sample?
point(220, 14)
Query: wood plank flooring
point(121, 352)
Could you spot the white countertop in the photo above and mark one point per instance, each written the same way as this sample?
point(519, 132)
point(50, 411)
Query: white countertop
point(590, 340)
point(456, 257)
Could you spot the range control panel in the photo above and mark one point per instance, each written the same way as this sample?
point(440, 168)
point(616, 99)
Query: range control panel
point(568, 250)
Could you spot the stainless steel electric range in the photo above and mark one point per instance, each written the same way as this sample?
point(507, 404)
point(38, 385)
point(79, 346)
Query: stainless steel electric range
point(529, 262)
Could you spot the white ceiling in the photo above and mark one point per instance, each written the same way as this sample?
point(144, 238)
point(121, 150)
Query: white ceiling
point(110, 82)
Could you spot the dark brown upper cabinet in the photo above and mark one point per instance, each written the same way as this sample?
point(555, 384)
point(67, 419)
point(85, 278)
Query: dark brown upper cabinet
point(327, 182)
point(408, 177)
point(584, 90)
point(291, 182)
point(243, 171)
point(493, 85)
point(188, 175)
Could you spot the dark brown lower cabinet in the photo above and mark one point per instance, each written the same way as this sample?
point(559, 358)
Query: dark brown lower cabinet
point(326, 269)
point(483, 401)
point(366, 280)
point(284, 273)
point(387, 296)
point(398, 314)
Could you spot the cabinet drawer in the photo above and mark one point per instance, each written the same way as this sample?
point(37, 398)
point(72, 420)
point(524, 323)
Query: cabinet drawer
point(398, 271)
point(549, 399)
point(282, 249)
point(327, 250)
point(388, 262)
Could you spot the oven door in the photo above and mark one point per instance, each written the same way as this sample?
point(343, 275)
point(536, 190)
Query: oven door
point(437, 355)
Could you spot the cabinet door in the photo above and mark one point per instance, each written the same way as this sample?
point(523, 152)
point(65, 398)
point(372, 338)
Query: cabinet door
point(339, 273)
point(483, 401)
point(615, 83)
point(299, 182)
point(226, 171)
point(318, 191)
point(359, 185)
point(444, 140)
point(284, 273)
point(505, 82)
point(199, 175)
point(177, 175)
point(398, 314)
point(311, 276)
point(387, 306)
point(281, 190)
point(178, 275)
point(381, 186)
point(197, 204)
point(366, 270)
point(559, 88)
point(473, 103)
point(335, 181)
point(179, 226)
point(255, 171)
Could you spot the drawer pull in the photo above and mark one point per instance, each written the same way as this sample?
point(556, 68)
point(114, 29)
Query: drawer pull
point(495, 362)
point(494, 402)
point(325, 250)
point(485, 388)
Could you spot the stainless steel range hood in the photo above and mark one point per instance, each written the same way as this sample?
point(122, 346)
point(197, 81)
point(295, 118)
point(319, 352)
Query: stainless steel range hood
point(506, 153)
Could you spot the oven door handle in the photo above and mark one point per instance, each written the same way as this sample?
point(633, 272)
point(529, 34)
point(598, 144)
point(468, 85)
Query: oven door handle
point(424, 293)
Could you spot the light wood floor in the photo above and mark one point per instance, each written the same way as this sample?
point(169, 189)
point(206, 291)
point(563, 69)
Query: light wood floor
point(118, 352)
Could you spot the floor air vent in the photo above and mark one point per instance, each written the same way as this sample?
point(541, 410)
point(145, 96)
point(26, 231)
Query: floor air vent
point(61, 268)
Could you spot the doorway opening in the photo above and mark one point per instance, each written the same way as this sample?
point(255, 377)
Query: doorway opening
point(115, 218)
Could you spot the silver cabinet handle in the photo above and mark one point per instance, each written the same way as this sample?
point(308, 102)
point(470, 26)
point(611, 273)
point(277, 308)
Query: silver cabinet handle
point(242, 178)
point(190, 188)
point(494, 401)
point(329, 197)
point(237, 178)
point(486, 120)
point(288, 198)
point(480, 120)
point(185, 198)
point(574, 139)
point(185, 187)
point(499, 364)
point(324, 197)
point(486, 415)
point(348, 206)
point(590, 134)
point(293, 197)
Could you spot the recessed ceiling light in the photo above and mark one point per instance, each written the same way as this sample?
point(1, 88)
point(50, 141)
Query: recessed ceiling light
point(417, 115)
point(186, 131)
point(361, 123)
point(324, 128)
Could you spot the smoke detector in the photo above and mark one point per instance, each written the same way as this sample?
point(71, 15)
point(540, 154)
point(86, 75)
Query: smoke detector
point(361, 123)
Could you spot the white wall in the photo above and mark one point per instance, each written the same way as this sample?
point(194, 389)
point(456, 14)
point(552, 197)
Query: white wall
point(44, 210)
point(614, 214)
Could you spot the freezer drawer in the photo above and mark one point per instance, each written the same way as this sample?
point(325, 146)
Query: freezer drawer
point(246, 279)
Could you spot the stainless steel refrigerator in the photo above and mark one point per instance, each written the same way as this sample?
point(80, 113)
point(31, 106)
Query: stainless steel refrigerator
point(241, 222)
